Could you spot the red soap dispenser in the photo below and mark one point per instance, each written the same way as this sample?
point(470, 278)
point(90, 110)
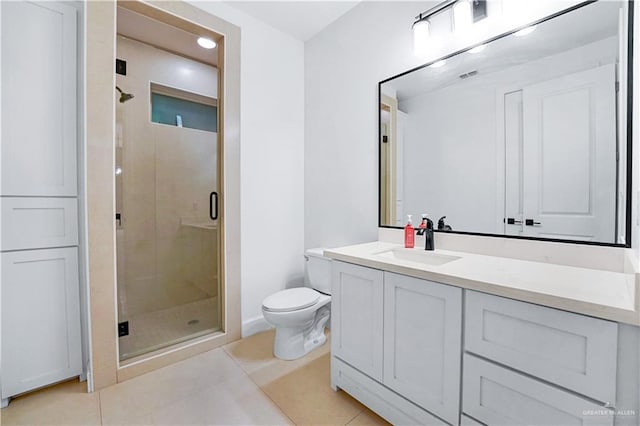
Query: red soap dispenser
point(409, 236)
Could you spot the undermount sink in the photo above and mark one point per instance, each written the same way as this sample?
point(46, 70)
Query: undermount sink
point(419, 256)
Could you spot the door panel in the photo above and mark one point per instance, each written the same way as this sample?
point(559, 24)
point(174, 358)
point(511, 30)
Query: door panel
point(357, 311)
point(45, 348)
point(422, 343)
point(569, 172)
point(44, 140)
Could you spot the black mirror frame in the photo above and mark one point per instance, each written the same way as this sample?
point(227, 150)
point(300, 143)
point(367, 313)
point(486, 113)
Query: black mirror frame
point(629, 131)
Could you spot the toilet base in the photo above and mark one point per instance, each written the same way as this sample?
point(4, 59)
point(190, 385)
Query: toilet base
point(295, 342)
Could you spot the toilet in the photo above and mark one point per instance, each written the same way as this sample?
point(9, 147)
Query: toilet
point(300, 315)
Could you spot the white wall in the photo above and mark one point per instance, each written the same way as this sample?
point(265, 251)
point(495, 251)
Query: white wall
point(455, 125)
point(343, 65)
point(272, 160)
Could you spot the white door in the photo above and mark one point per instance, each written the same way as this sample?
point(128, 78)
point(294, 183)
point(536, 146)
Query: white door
point(356, 317)
point(569, 157)
point(422, 343)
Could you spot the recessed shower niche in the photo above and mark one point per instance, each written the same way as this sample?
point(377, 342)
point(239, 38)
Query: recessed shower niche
point(167, 179)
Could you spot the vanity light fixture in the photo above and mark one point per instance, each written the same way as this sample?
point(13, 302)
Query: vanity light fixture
point(206, 43)
point(478, 49)
point(438, 64)
point(462, 13)
point(525, 31)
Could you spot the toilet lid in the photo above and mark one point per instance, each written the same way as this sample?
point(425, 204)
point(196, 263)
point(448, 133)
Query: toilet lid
point(291, 299)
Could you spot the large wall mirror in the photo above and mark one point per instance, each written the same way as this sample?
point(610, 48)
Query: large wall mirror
point(526, 136)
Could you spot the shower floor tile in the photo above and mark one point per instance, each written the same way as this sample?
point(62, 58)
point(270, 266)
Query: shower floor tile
point(154, 330)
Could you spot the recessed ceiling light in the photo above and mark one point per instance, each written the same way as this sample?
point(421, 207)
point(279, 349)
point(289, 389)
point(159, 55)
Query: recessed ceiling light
point(207, 43)
point(525, 31)
point(438, 64)
point(478, 49)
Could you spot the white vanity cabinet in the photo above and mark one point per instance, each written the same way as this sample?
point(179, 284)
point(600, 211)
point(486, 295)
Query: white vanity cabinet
point(420, 352)
point(400, 338)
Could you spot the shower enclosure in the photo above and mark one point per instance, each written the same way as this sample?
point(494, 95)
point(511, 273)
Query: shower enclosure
point(167, 177)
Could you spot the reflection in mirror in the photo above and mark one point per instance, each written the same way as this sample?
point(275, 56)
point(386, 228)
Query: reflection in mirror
point(524, 137)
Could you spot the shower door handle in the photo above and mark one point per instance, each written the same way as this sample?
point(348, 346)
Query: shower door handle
point(213, 206)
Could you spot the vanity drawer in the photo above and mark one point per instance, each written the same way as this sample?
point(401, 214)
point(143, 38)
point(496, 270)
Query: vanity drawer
point(495, 395)
point(42, 222)
point(571, 350)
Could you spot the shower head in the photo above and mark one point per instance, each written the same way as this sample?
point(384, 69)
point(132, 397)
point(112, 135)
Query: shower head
point(124, 97)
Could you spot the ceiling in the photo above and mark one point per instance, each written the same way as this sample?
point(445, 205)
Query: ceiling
point(300, 19)
point(150, 31)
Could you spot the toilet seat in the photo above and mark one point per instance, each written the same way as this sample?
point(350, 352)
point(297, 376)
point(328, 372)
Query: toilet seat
point(291, 299)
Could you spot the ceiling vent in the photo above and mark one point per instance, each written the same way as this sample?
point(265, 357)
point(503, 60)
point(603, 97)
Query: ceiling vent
point(469, 74)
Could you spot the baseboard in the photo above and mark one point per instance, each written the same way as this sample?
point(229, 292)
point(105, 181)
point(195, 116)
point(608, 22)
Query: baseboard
point(255, 325)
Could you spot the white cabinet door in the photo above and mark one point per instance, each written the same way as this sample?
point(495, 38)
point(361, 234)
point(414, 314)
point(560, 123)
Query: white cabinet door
point(40, 319)
point(497, 396)
point(38, 99)
point(422, 343)
point(356, 317)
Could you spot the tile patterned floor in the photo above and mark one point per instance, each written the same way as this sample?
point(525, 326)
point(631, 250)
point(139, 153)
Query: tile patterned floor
point(158, 329)
point(239, 384)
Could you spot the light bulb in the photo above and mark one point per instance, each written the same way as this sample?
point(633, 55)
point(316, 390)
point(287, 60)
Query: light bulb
point(525, 31)
point(207, 43)
point(462, 19)
point(420, 37)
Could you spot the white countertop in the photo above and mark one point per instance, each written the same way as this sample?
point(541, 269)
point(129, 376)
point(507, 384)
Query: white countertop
point(598, 293)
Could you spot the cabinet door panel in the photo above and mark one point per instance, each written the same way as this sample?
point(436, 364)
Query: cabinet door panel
point(356, 315)
point(422, 343)
point(32, 223)
point(38, 99)
point(571, 350)
point(40, 319)
point(497, 396)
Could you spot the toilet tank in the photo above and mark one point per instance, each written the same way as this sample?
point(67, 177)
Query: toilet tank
point(317, 273)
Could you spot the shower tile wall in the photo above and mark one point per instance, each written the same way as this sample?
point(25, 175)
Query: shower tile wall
point(167, 175)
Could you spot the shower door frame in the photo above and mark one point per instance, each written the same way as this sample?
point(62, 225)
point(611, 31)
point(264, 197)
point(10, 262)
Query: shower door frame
point(143, 9)
point(106, 369)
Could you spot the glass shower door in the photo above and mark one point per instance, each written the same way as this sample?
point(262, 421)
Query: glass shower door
point(168, 241)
